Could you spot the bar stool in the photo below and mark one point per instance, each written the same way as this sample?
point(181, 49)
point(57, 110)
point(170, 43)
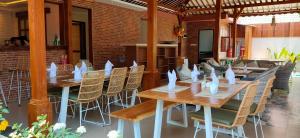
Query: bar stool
point(23, 76)
point(1, 88)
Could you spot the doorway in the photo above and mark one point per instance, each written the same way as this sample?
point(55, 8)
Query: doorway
point(81, 35)
point(205, 44)
point(78, 41)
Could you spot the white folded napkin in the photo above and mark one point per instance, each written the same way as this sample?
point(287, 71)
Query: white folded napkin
point(134, 66)
point(186, 61)
point(53, 69)
point(195, 73)
point(83, 68)
point(229, 75)
point(108, 68)
point(77, 74)
point(245, 68)
point(215, 82)
point(172, 81)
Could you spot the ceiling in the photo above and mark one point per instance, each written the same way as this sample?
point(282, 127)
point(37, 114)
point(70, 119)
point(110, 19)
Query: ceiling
point(204, 7)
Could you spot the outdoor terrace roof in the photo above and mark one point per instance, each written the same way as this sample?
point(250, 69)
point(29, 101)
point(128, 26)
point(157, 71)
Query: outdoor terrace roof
point(201, 7)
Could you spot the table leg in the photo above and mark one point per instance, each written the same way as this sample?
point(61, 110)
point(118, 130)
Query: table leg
point(121, 127)
point(208, 122)
point(64, 105)
point(133, 96)
point(158, 118)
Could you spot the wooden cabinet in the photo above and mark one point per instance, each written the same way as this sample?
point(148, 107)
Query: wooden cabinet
point(166, 56)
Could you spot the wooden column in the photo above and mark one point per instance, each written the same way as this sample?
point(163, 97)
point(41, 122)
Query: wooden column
point(233, 35)
point(68, 28)
point(236, 15)
point(39, 103)
point(180, 54)
point(217, 29)
point(153, 76)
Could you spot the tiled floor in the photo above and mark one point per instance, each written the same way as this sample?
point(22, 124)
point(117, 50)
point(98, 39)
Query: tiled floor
point(283, 121)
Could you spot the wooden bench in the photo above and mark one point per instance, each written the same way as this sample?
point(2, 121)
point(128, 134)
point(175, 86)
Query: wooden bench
point(137, 113)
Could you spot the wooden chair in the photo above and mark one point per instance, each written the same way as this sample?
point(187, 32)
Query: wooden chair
point(134, 83)
point(229, 119)
point(90, 90)
point(115, 87)
point(255, 109)
point(88, 64)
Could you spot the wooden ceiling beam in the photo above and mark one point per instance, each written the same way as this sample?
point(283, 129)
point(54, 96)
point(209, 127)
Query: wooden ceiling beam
point(245, 5)
point(164, 6)
point(204, 17)
point(271, 13)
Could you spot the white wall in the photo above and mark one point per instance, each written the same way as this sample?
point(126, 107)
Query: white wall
point(260, 45)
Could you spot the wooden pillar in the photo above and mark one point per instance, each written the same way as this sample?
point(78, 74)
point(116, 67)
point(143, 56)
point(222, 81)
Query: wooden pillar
point(217, 29)
point(233, 35)
point(180, 54)
point(152, 77)
point(68, 28)
point(39, 103)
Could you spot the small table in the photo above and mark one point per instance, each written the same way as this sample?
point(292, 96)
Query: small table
point(64, 82)
point(189, 96)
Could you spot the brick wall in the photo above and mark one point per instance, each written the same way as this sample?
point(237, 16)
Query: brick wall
point(9, 58)
point(113, 26)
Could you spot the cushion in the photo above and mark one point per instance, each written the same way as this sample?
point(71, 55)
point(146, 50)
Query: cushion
point(54, 91)
point(184, 73)
point(73, 96)
point(234, 105)
point(252, 64)
point(220, 116)
point(240, 64)
point(213, 62)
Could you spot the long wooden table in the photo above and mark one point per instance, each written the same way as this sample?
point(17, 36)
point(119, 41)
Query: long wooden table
point(190, 96)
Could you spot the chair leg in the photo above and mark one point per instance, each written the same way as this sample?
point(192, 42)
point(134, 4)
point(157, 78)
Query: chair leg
point(11, 82)
point(126, 98)
point(217, 132)
point(108, 107)
point(3, 96)
point(232, 133)
point(137, 129)
point(261, 129)
point(255, 126)
point(121, 100)
point(80, 113)
point(100, 111)
point(196, 129)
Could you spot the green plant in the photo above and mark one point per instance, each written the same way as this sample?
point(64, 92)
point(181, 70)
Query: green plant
point(285, 54)
point(42, 129)
point(4, 122)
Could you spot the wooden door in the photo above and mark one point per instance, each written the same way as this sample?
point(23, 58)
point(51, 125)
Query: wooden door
point(75, 43)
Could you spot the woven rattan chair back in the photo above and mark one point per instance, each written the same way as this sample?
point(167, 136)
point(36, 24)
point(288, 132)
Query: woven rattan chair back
point(64, 69)
point(263, 100)
point(116, 81)
point(91, 86)
point(244, 109)
point(135, 78)
point(88, 64)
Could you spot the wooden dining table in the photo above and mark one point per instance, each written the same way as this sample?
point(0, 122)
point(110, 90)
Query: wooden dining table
point(192, 96)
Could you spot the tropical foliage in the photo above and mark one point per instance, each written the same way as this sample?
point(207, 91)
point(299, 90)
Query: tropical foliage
point(42, 129)
point(286, 54)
